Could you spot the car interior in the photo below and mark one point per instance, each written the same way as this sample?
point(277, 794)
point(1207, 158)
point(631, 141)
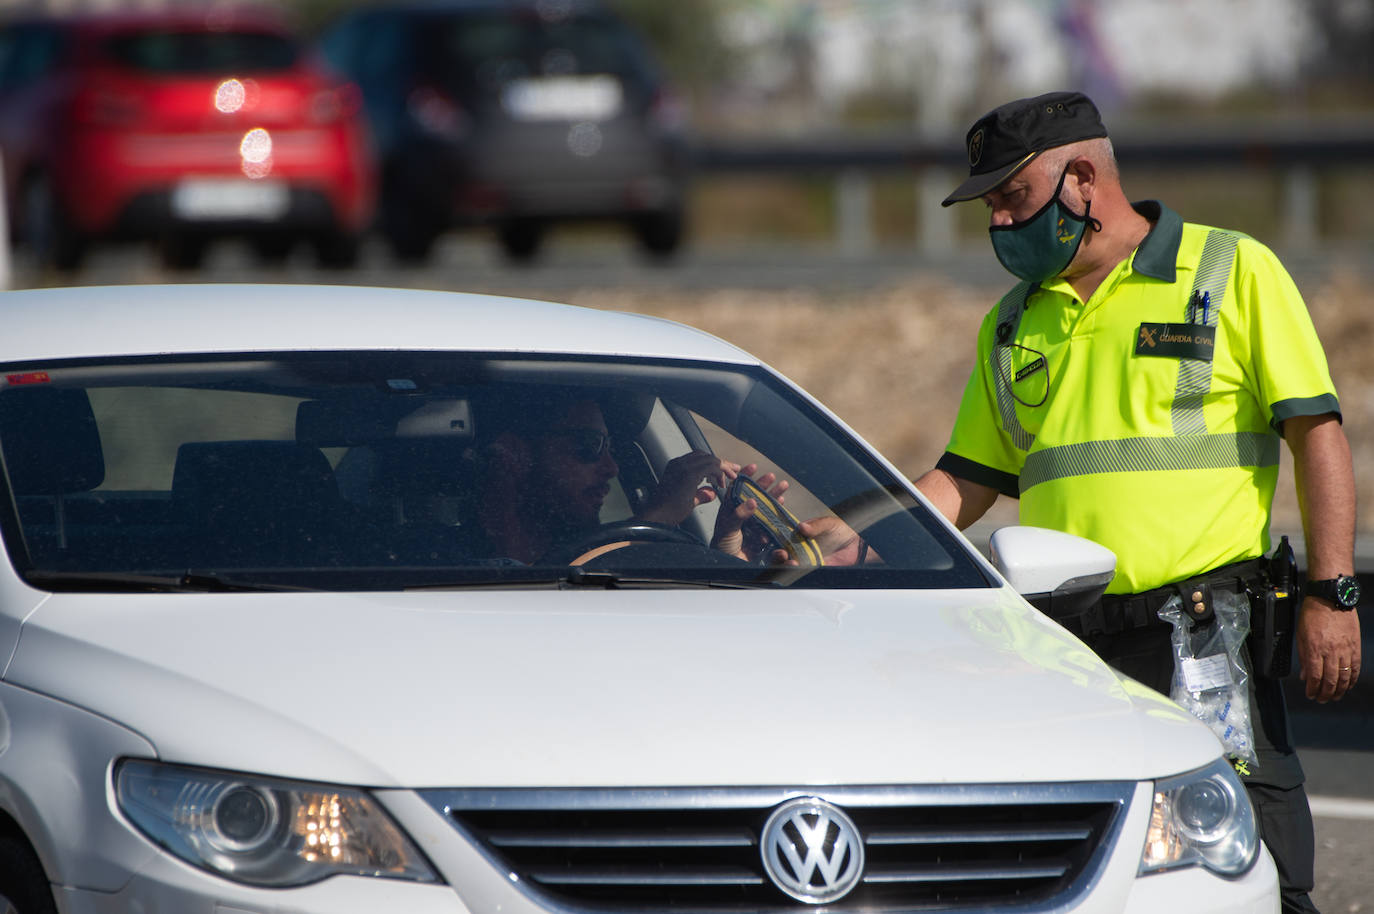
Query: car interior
point(304, 468)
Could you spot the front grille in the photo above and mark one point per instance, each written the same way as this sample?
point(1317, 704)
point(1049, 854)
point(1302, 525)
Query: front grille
point(927, 848)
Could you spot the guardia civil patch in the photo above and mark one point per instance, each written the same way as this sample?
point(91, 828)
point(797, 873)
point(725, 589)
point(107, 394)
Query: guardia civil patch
point(1176, 341)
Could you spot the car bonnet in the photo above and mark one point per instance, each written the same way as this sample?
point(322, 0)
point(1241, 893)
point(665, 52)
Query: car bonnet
point(632, 688)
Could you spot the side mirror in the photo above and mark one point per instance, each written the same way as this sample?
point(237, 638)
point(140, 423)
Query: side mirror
point(1058, 573)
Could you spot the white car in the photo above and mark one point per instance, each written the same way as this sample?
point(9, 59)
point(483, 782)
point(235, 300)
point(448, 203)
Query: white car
point(264, 650)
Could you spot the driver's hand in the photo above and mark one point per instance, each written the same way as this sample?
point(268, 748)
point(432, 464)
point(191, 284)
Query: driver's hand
point(688, 481)
point(729, 532)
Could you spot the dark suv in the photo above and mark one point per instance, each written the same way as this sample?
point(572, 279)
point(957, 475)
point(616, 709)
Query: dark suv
point(514, 115)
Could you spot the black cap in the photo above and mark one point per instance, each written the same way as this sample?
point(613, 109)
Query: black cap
point(1007, 139)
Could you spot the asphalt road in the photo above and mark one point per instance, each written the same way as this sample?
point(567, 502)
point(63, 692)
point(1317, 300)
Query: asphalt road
point(1336, 741)
point(1336, 744)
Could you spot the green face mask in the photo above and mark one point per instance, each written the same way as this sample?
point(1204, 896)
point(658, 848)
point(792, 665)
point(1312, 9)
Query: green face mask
point(1043, 245)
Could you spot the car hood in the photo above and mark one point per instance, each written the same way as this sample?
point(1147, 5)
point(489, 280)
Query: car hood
point(598, 688)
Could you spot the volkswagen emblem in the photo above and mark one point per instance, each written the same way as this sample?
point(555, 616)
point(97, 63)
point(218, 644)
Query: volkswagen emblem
point(812, 850)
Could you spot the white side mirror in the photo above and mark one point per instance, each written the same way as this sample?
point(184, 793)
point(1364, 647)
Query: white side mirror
point(1048, 566)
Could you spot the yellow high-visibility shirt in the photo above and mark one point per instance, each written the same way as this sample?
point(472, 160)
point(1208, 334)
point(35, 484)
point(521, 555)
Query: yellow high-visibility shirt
point(1147, 418)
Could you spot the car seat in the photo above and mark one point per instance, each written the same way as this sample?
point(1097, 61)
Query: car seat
point(258, 503)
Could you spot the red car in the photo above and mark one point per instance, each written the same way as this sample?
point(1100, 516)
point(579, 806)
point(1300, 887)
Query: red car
point(179, 125)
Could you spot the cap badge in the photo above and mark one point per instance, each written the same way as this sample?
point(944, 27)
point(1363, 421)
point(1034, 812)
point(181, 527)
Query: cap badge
point(975, 147)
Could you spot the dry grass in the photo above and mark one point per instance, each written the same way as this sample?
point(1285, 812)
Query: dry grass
point(892, 362)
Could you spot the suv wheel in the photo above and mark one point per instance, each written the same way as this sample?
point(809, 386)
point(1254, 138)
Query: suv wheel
point(404, 219)
point(23, 887)
point(410, 243)
point(659, 234)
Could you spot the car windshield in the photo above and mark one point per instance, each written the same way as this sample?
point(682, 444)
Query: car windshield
point(171, 52)
point(389, 470)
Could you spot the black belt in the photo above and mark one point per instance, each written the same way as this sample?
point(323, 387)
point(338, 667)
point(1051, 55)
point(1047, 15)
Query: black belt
point(1121, 612)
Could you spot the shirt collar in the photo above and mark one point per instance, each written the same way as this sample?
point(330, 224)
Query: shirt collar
point(1157, 255)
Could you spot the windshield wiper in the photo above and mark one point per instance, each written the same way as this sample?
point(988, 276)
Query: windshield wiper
point(614, 580)
point(128, 582)
point(577, 577)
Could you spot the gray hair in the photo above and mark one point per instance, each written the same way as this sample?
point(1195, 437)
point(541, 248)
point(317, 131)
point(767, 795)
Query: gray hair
point(1099, 151)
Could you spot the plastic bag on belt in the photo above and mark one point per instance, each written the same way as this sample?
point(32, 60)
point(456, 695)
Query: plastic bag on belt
point(1211, 674)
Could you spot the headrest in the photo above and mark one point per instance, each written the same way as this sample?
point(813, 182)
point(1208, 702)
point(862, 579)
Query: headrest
point(50, 440)
point(252, 477)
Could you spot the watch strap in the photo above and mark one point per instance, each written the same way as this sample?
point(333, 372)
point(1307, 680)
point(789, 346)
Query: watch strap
point(1342, 591)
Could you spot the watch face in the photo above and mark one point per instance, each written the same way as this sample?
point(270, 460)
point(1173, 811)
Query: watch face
point(1348, 591)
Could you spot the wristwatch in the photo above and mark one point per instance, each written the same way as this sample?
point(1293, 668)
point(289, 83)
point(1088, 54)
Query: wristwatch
point(1344, 591)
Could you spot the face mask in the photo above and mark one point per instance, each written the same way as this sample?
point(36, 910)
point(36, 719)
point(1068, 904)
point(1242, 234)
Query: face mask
point(1043, 245)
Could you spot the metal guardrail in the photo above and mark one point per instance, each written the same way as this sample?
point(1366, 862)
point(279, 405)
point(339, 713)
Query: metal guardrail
point(1312, 143)
point(1299, 149)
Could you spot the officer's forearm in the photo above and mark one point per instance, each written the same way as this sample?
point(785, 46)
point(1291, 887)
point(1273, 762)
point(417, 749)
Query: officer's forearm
point(960, 501)
point(1326, 493)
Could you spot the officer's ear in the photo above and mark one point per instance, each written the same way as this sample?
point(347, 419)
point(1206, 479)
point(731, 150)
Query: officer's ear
point(1084, 173)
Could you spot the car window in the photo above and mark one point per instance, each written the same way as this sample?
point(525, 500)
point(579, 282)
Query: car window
point(28, 53)
point(389, 470)
point(188, 52)
point(476, 55)
point(800, 501)
point(135, 424)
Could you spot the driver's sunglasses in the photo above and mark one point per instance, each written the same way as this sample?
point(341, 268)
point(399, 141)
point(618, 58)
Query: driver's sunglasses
point(588, 444)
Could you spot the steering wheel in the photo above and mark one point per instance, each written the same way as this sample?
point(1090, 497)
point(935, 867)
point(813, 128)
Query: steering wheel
point(613, 536)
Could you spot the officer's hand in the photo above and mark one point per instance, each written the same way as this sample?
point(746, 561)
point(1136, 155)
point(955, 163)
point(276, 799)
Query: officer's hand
point(838, 542)
point(1328, 649)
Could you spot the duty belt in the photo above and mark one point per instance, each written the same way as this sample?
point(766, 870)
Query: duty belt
point(1116, 613)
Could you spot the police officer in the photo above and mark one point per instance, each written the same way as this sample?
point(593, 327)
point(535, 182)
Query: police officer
point(1133, 388)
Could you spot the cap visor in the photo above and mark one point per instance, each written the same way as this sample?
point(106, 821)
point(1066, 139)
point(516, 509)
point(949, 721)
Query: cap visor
point(977, 185)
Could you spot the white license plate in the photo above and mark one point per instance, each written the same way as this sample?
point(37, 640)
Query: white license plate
point(208, 198)
point(573, 98)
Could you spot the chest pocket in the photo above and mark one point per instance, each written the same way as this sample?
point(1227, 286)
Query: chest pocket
point(1209, 290)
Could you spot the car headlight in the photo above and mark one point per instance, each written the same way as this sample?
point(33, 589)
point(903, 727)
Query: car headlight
point(1202, 818)
point(263, 831)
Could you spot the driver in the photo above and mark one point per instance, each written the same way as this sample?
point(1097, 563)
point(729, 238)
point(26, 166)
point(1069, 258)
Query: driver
point(548, 473)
